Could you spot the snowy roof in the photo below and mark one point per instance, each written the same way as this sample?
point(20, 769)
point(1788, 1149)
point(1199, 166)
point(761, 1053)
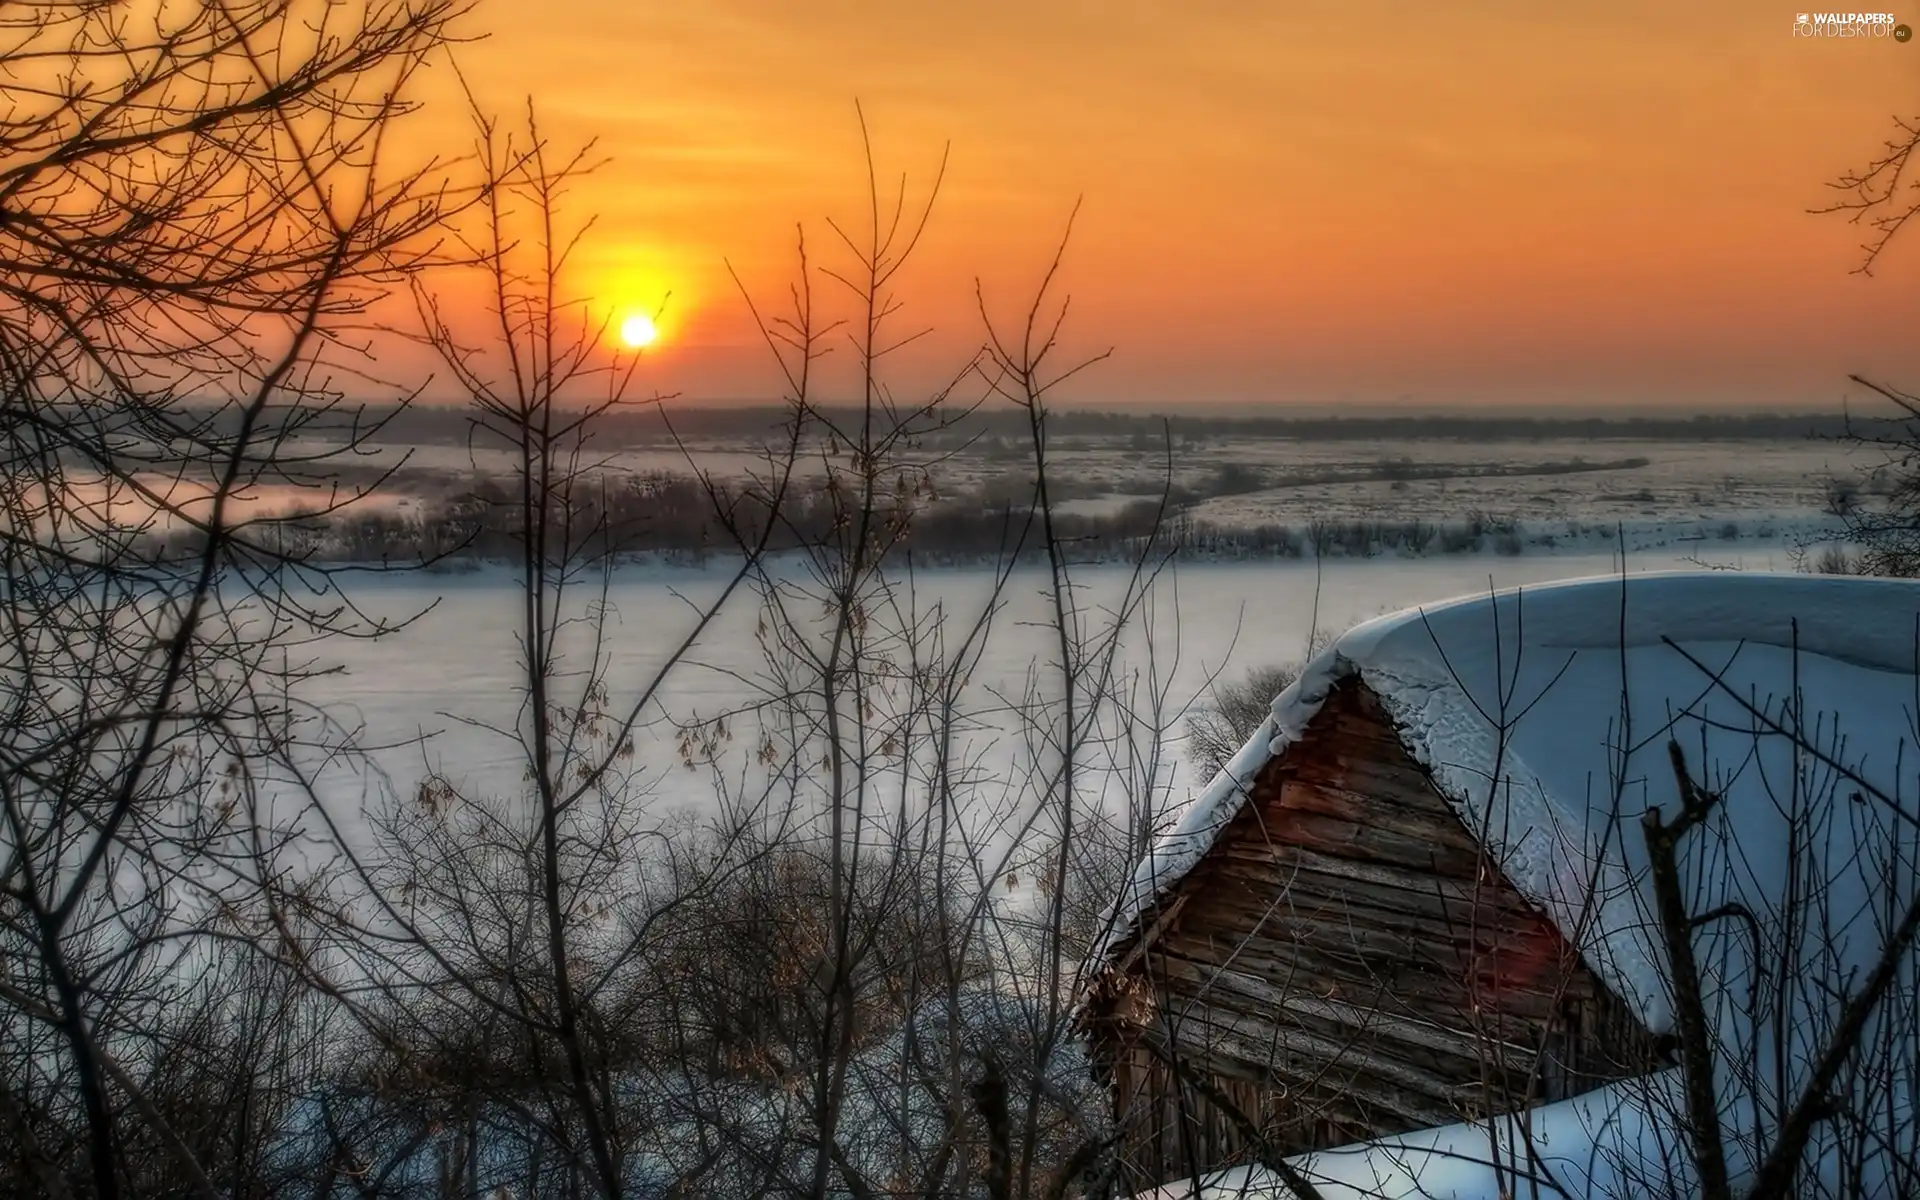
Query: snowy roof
point(1544, 715)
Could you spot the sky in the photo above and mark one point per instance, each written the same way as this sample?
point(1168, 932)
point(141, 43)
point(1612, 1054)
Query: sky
point(1317, 203)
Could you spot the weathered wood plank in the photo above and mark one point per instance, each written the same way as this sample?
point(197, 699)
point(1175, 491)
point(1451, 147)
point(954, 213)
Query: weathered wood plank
point(1429, 820)
point(1416, 1037)
point(1457, 920)
point(1502, 966)
point(1369, 776)
point(1417, 991)
point(1314, 1061)
point(1293, 876)
point(1286, 1122)
point(1357, 870)
point(1376, 842)
point(1160, 918)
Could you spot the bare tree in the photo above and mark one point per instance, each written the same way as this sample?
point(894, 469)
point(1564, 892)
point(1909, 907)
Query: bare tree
point(916, 1065)
point(1823, 1037)
point(495, 946)
point(1881, 196)
point(196, 212)
point(1217, 727)
point(848, 970)
point(901, 960)
point(1885, 526)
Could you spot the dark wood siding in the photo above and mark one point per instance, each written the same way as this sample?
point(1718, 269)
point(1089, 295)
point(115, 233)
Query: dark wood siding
point(1345, 963)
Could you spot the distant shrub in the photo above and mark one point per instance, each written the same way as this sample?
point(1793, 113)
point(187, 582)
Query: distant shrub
point(1218, 728)
point(1321, 535)
point(1460, 539)
point(1359, 539)
point(1834, 560)
point(1235, 479)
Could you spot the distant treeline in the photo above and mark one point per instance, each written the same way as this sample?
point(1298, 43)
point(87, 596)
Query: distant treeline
point(673, 518)
point(424, 424)
point(429, 424)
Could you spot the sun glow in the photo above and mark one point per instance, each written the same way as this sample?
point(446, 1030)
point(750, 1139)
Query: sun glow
point(638, 331)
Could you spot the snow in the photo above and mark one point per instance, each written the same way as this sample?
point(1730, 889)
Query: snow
point(890, 1125)
point(1545, 716)
point(455, 667)
point(1564, 1149)
point(1615, 1142)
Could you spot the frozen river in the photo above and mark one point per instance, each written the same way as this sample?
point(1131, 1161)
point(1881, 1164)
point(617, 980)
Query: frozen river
point(427, 692)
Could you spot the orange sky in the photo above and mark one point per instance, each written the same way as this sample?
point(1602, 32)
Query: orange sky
point(1290, 201)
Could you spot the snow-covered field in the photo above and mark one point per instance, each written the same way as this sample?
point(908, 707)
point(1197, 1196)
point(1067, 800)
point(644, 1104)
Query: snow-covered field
point(1756, 483)
point(1711, 481)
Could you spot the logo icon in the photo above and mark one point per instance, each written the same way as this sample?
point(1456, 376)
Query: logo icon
point(1902, 33)
point(1803, 19)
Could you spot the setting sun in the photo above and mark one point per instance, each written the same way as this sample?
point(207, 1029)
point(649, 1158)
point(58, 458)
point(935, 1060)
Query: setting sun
point(638, 331)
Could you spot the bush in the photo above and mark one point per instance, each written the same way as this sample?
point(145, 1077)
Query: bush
point(1217, 729)
point(1459, 539)
point(1236, 479)
point(740, 971)
point(1834, 560)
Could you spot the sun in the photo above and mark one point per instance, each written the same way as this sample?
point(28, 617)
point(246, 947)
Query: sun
point(639, 331)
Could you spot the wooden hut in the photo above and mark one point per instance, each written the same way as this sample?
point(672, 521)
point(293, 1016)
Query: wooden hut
point(1362, 928)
